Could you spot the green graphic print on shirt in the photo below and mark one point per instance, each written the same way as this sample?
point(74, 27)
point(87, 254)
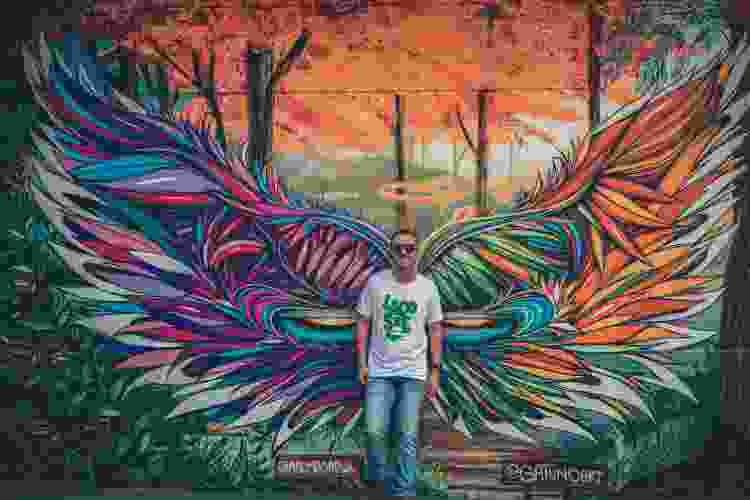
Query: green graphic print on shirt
point(396, 317)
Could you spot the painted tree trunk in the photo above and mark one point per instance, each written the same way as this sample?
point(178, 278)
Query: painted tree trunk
point(594, 69)
point(406, 219)
point(510, 158)
point(260, 109)
point(162, 76)
point(126, 83)
point(481, 194)
point(455, 161)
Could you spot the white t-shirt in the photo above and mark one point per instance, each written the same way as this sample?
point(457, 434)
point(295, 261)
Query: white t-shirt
point(399, 314)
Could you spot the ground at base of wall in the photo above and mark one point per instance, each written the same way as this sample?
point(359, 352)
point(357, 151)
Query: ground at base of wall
point(673, 486)
point(49, 490)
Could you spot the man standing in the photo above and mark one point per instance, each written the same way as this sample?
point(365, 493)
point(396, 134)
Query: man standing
point(400, 304)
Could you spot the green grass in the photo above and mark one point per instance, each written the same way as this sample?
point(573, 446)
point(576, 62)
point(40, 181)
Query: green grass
point(362, 178)
point(355, 181)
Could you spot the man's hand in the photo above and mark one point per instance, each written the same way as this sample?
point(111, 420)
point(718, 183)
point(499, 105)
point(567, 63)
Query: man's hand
point(363, 375)
point(433, 383)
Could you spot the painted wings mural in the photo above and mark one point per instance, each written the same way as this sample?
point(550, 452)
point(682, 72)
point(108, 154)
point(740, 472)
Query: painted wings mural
point(207, 272)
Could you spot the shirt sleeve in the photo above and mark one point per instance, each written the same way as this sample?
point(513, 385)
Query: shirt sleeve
point(434, 306)
point(364, 307)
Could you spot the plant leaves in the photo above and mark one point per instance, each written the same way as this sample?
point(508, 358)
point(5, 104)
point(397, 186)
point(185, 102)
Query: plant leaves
point(87, 374)
point(116, 390)
point(142, 422)
point(78, 399)
point(145, 441)
point(157, 465)
point(38, 326)
point(124, 443)
point(62, 318)
point(61, 386)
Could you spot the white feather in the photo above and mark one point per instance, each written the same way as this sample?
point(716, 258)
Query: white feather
point(609, 386)
point(556, 422)
point(704, 301)
point(163, 375)
point(691, 337)
point(269, 407)
point(581, 401)
point(664, 376)
point(460, 426)
point(737, 110)
point(90, 293)
point(712, 191)
point(285, 432)
point(197, 387)
point(109, 324)
point(76, 261)
point(263, 411)
point(353, 422)
point(438, 406)
point(721, 245)
point(207, 399)
point(140, 341)
point(506, 429)
point(329, 414)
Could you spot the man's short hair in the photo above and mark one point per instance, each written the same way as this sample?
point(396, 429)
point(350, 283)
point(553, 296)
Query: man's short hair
point(405, 230)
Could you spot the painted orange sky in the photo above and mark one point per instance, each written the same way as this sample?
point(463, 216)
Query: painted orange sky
point(440, 46)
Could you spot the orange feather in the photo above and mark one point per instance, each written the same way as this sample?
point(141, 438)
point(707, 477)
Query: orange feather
point(613, 229)
point(611, 335)
point(504, 264)
point(634, 190)
point(685, 165)
point(652, 333)
point(651, 307)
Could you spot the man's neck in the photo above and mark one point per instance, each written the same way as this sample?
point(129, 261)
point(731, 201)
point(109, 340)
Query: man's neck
point(405, 276)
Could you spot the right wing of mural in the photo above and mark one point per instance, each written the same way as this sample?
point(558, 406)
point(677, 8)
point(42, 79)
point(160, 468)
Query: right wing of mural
point(201, 269)
point(570, 307)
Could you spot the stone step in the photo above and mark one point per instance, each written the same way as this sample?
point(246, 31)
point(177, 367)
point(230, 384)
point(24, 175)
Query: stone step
point(486, 494)
point(465, 455)
point(484, 481)
point(486, 468)
point(456, 478)
point(503, 494)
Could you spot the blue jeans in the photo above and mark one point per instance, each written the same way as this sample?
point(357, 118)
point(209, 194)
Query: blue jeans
point(392, 411)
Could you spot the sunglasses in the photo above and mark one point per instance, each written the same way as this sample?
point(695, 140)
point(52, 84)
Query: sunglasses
point(408, 249)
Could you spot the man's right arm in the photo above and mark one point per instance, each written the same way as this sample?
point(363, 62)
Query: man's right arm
point(364, 308)
point(363, 330)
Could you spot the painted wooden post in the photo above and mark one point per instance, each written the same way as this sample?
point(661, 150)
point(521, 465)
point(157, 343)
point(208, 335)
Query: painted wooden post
point(594, 69)
point(262, 79)
point(260, 132)
point(399, 138)
point(405, 215)
point(481, 194)
point(128, 77)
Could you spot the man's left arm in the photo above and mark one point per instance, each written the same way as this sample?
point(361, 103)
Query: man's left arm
point(436, 354)
point(437, 331)
point(436, 345)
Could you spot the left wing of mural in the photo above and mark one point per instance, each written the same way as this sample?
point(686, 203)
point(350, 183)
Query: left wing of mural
point(206, 271)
